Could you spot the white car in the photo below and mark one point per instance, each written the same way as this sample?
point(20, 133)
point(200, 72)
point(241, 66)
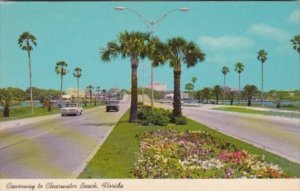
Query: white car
point(71, 109)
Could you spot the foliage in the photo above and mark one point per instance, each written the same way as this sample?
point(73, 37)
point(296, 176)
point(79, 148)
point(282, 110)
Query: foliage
point(296, 42)
point(217, 92)
point(149, 117)
point(225, 70)
point(249, 92)
point(159, 117)
point(196, 154)
point(262, 56)
point(178, 120)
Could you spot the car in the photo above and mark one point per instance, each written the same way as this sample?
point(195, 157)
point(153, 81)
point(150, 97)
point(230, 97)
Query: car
point(71, 109)
point(112, 105)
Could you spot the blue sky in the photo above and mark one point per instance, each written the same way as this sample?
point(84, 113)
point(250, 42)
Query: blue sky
point(75, 32)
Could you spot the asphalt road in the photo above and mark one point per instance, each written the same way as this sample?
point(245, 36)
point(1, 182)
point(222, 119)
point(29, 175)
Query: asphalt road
point(279, 135)
point(54, 146)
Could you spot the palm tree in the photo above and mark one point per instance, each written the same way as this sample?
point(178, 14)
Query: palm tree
point(61, 70)
point(189, 87)
point(131, 45)
point(239, 68)
point(225, 70)
point(90, 89)
point(156, 52)
point(26, 42)
point(262, 57)
point(98, 91)
point(231, 96)
point(194, 79)
point(296, 45)
point(206, 93)
point(249, 92)
point(180, 51)
point(77, 74)
point(217, 91)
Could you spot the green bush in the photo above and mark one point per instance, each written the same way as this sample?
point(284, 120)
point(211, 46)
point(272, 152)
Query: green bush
point(148, 117)
point(158, 116)
point(181, 120)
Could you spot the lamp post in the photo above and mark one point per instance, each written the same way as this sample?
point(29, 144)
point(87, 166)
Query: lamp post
point(152, 26)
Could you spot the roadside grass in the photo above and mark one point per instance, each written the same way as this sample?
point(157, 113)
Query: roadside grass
point(117, 155)
point(254, 111)
point(25, 112)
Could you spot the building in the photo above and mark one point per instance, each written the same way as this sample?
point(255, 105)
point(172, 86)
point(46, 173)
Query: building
point(158, 86)
point(72, 92)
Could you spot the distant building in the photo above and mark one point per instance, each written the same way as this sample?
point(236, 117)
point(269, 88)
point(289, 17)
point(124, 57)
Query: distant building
point(170, 95)
point(158, 86)
point(72, 92)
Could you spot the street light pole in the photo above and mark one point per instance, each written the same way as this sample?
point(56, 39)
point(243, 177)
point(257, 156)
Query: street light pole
point(152, 26)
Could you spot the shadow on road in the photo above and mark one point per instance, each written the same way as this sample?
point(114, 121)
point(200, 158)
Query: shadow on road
point(100, 124)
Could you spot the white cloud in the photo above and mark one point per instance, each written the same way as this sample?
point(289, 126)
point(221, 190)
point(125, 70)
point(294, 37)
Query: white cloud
point(268, 32)
point(225, 42)
point(294, 17)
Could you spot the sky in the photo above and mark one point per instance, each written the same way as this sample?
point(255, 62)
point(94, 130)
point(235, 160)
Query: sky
point(76, 32)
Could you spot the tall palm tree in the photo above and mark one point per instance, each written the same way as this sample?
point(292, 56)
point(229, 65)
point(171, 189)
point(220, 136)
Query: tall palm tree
point(194, 79)
point(133, 45)
point(90, 89)
point(217, 91)
point(156, 52)
point(296, 45)
point(239, 68)
point(77, 74)
point(225, 70)
point(262, 57)
point(98, 91)
point(26, 42)
point(180, 51)
point(61, 70)
point(248, 92)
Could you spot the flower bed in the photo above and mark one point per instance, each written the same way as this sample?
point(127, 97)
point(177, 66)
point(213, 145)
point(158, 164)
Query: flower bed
point(196, 154)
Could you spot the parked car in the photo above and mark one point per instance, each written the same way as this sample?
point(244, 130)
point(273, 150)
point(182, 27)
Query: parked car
point(112, 105)
point(71, 109)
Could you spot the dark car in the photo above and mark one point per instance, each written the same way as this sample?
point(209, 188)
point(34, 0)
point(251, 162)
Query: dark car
point(112, 105)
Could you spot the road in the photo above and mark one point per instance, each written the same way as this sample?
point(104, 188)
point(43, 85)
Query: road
point(279, 135)
point(54, 146)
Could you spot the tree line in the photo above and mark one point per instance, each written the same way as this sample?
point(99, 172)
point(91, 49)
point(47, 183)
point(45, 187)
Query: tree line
point(137, 45)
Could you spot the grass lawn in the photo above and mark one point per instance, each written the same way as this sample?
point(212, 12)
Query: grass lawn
point(254, 111)
point(25, 112)
point(116, 157)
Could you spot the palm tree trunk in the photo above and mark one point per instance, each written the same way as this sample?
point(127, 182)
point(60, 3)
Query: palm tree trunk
point(90, 96)
point(61, 86)
point(134, 96)
point(262, 84)
point(78, 91)
point(30, 81)
point(177, 96)
point(249, 101)
point(224, 91)
point(239, 88)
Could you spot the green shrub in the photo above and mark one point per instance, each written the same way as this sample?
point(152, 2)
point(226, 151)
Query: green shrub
point(148, 117)
point(180, 120)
